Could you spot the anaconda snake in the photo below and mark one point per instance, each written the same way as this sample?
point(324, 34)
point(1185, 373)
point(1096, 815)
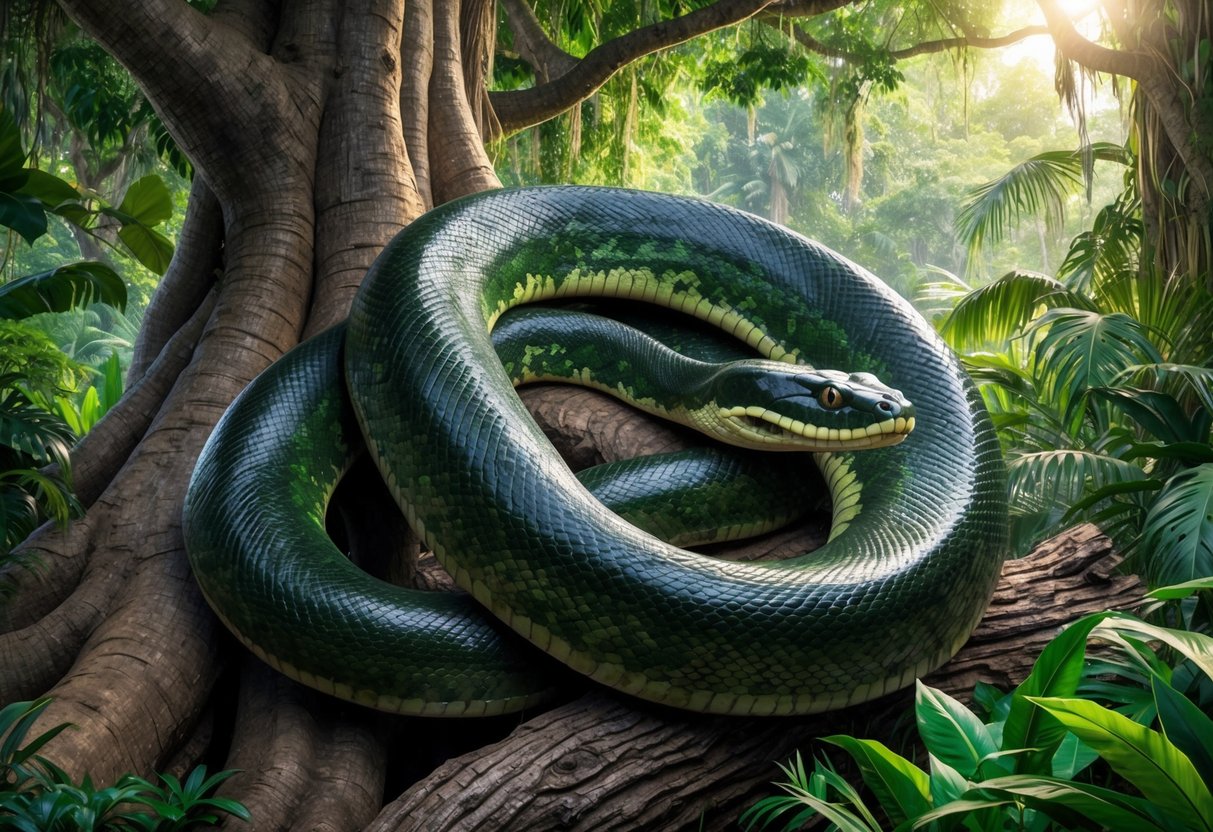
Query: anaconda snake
point(919, 529)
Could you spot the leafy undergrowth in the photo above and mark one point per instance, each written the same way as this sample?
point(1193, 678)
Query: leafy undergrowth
point(38, 796)
point(1121, 741)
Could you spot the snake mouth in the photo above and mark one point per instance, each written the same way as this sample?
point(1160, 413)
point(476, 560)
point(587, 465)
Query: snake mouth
point(768, 427)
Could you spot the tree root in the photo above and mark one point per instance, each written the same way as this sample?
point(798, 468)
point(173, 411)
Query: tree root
point(605, 762)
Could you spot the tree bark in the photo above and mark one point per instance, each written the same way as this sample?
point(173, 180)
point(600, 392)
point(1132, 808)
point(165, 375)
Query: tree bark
point(604, 762)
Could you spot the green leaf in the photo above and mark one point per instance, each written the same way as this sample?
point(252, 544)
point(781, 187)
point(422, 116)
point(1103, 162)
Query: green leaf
point(1077, 350)
point(950, 731)
point(31, 431)
point(1177, 537)
point(150, 247)
point(23, 214)
point(1196, 378)
point(1158, 413)
point(1196, 647)
point(1190, 452)
point(48, 189)
point(1161, 772)
point(902, 788)
point(1185, 725)
point(954, 810)
point(147, 201)
point(996, 312)
point(57, 290)
point(1079, 804)
point(12, 156)
point(1072, 756)
point(947, 784)
point(1175, 592)
point(1056, 672)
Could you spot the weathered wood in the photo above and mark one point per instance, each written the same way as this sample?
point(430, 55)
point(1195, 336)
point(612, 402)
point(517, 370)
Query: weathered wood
point(604, 762)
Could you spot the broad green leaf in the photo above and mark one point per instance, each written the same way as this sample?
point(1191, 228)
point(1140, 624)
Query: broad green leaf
point(950, 731)
point(150, 247)
point(1197, 378)
point(69, 286)
point(902, 788)
point(1185, 725)
point(1056, 672)
point(1158, 413)
point(1195, 646)
point(1194, 452)
point(112, 382)
point(1077, 350)
point(1183, 590)
point(147, 201)
point(1071, 757)
point(951, 813)
point(1078, 805)
point(12, 156)
point(1177, 538)
point(48, 189)
point(947, 784)
point(1161, 772)
point(23, 214)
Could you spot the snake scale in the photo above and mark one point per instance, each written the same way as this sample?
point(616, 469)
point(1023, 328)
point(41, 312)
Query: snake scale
point(919, 528)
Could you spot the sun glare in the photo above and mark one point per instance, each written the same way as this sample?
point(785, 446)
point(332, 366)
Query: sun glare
point(1039, 48)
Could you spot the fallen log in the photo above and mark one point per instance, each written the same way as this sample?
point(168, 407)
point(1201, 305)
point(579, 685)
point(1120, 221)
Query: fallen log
point(607, 762)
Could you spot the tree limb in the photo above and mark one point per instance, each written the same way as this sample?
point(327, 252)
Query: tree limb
point(517, 109)
point(533, 45)
point(925, 48)
point(1088, 53)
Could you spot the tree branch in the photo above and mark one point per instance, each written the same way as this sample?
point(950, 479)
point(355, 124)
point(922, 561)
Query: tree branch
point(533, 45)
point(925, 48)
point(518, 109)
point(1088, 53)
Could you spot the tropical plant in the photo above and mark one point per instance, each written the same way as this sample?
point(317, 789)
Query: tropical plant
point(1028, 764)
point(38, 796)
point(1098, 379)
point(44, 405)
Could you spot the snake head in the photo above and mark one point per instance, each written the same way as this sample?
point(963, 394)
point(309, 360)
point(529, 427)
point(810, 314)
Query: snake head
point(773, 405)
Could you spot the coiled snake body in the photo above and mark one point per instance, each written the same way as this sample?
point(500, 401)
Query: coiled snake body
point(918, 534)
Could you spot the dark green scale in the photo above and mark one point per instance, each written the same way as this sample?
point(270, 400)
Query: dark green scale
point(267, 485)
point(894, 593)
point(919, 528)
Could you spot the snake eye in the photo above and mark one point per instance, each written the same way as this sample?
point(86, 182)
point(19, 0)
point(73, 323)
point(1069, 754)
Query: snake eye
point(830, 398)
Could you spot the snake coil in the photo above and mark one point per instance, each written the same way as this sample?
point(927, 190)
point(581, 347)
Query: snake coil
point(919, 529)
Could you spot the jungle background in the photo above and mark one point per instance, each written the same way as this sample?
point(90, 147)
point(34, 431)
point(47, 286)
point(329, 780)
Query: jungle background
point(1035, 178)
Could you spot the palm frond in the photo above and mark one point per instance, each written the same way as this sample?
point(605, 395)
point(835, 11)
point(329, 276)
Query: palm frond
point(991, 315)
point(936, 298)
point(1177, 539)
point(1038, 186)
point(1192, 380)
point(1044, 484)
point(1080, 349)
point(1178, 310)
point(57, 290)
point(32, 432)
point(1111, 248)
